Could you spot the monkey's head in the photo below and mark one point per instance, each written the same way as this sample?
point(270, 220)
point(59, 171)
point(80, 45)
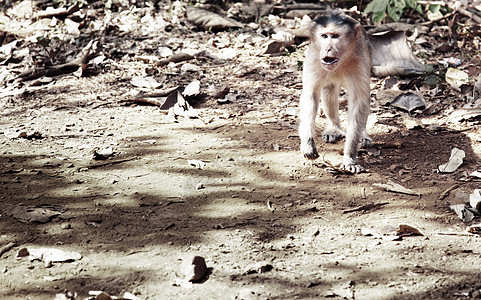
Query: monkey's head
point(335, 37)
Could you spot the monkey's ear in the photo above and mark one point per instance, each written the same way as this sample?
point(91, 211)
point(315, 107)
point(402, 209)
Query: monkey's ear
point(307, 22)
point(357, 31)
point(308, 25)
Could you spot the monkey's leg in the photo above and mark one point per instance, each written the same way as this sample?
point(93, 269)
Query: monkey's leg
point(330, 106)
point(308, 110)
point(358, 112)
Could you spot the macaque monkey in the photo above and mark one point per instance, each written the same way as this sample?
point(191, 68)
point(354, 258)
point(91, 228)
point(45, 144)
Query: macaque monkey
point(339, 55)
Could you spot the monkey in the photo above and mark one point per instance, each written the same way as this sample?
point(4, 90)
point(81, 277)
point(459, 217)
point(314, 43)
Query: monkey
point(339, 55)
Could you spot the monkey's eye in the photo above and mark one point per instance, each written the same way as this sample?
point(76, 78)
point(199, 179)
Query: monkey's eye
point(324, 36)
point(336, 36)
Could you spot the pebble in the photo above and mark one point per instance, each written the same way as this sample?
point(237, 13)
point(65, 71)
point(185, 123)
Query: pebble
point(193, 268)
point(66, 226)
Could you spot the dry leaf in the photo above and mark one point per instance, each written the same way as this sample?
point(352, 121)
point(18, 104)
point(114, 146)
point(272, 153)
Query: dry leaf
point(475, 200)
point(196, 163)
point(209, 20)
point(474, 229)
point(192, 89)
point(392, 55)
point(145, 82)
point(456, 77)
point(409, 102)
point(462, 212)
point(455, 160)
point(391, 186)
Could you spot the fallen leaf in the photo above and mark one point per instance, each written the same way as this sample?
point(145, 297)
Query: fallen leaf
point(475, 200)
point(392, 55)
point(409, 102)
point(455, 160)
point(461, 211)
point(258, 269)
point(474, 229)
point(182, 107)
point(411, 123)
point(279, 42)
point(475, 174)
point(26, 134)
point(391, 186)
point(192, 89)
point(456, 77)
point(145, 82)
point(209, 20)
point(102, 154)
point(196, 163)
point(48, 255)
point(465, 114)
point(33, 214)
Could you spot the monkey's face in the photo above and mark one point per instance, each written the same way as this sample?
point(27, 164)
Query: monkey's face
point(333, 43)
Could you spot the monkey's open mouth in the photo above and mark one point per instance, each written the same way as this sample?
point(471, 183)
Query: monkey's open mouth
point(329, 60)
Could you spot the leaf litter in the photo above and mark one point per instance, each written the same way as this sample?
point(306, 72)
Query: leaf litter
point(257, 94)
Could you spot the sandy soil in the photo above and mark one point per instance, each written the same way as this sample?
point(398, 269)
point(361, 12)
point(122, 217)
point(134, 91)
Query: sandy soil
point(269, 224)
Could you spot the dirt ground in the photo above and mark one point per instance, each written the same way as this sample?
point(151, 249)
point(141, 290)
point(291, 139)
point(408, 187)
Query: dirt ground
point(269, 224)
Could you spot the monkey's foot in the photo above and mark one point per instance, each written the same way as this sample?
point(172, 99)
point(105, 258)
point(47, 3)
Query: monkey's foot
point(332, 134)
point(351, 165)
point(309, 150)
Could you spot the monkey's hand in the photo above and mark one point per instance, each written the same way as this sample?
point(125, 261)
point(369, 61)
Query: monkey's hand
point(332, 134)
point(351, 165)
point(366, 141)
point(309, 150)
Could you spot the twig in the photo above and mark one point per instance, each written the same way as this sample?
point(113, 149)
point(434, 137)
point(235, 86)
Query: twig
point(114, 162)
point(446, 192)
point(6, 248)
point(269, 206)
point(178, 57)
point(174, 202)
point(333, 169)
point(365, 207)
point(456, 234)
point(58, 13)
point(446, 16)
point(469, 14)
point(79, 63)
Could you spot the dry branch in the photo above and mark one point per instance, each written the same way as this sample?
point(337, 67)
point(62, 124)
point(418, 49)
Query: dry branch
point(114, 162)
point(447, 191)
point(469, 14)
point(6, 248)
point(365, 208)
point(78, 64)
point(58, 13)
point(176, 58)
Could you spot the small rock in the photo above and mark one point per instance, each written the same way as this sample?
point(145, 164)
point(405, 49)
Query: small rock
point(103, 296)
point(193, 268)
point(411, 123)
point(221, 92)
point(188, 67)
point(66, 226)
point(102, 154)
point(247, 294)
